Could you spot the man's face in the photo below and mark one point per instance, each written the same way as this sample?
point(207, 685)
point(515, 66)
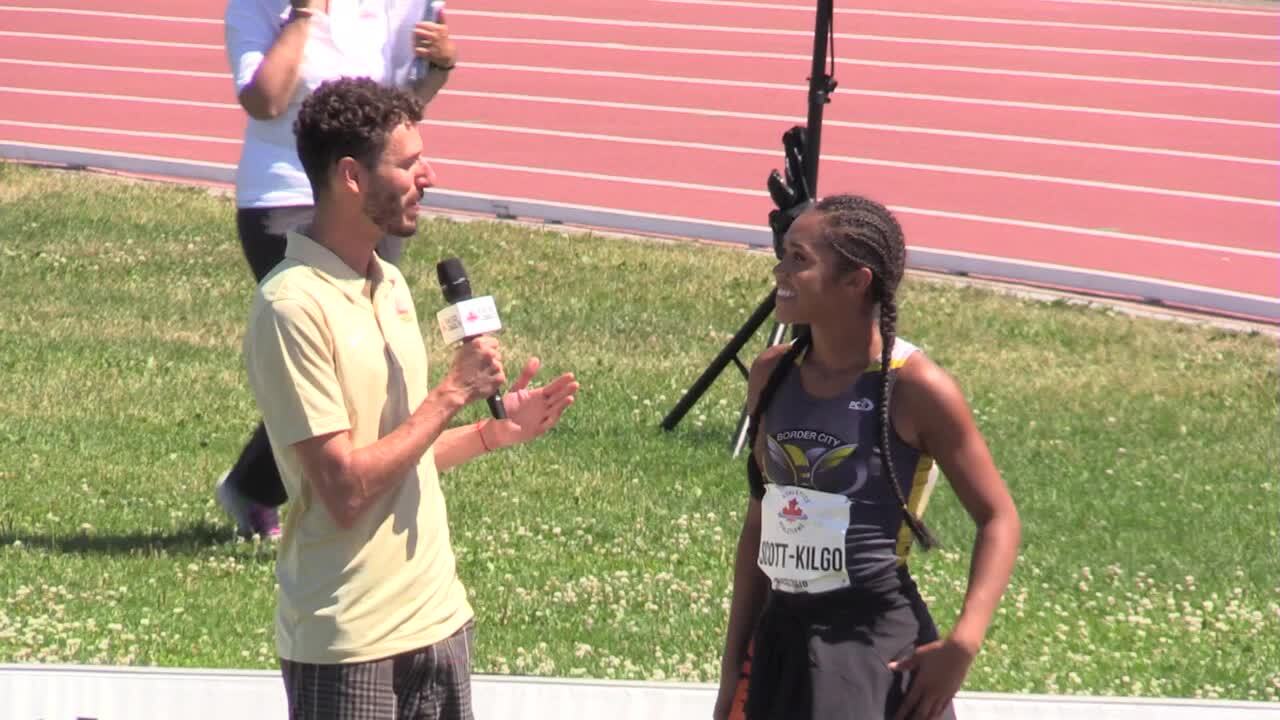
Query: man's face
point(397, 182)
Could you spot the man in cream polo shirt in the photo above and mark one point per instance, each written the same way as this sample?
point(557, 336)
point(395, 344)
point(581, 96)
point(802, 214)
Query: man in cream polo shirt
point(373, 621)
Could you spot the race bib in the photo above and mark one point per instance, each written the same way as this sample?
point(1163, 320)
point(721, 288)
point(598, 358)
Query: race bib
point(802, 539)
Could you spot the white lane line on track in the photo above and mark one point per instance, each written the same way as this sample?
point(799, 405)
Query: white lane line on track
point(862, 12)
point(125, 98)
point(668, 26)
point(915, 252)
point(610, 46)
point(765, 32)
point(797, 87)
point(984, 259)
point(606, 177)
point(111, 40)
point(1218, 9)
point(843, 61)
point(737, 150)
point(117, 68)
point(854, 160)
point(1181, 7)
point(117, 131)
point(844, 159)
point(942, 132)
point(711, 28)
point(1214, 8)
point(1070, 229)
point(111, 14)
point(808, 9)
point(711, 112)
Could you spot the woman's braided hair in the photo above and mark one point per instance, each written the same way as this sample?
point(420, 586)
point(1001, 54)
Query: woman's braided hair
point(865, 234)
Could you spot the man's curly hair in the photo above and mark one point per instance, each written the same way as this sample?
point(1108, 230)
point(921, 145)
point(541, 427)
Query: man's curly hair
point(349, 117)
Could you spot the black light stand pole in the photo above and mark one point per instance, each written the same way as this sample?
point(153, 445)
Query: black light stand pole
point(727, 355)
point(821, 85)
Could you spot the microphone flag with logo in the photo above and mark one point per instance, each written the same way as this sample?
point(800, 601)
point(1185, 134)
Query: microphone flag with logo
point(466, 316)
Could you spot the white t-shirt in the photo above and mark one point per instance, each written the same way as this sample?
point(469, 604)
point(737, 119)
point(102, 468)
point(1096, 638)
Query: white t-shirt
point(357, 38)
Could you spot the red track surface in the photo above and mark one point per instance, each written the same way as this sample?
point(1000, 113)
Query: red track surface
point(1142, 140)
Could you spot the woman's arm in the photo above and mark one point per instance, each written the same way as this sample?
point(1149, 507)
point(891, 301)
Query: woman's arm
point(750, 585)
point(749, 588)
point(931, 413)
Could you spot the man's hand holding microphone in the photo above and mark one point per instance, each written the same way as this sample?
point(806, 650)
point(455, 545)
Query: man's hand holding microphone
point(522, 414)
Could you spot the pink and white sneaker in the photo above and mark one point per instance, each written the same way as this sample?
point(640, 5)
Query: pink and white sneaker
point(250, 517)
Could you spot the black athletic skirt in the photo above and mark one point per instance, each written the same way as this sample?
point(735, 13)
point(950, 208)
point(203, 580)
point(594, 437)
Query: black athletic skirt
point(825, 657)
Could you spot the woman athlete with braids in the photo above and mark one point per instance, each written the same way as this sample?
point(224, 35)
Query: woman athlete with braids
point(839, 477)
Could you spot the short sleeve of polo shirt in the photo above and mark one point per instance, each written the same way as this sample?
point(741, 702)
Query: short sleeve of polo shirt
point(250, 28)
point(291, 367)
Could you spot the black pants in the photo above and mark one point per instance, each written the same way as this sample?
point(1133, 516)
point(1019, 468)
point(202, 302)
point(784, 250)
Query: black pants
point(262, 238)
point(826, 657)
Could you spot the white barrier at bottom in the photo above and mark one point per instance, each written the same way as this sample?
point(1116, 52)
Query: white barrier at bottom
point(78, 692)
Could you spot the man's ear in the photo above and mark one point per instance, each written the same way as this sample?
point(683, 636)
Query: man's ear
point(348, 175)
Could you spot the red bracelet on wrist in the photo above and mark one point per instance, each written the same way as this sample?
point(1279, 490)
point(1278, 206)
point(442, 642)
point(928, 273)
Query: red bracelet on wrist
point(480, 431)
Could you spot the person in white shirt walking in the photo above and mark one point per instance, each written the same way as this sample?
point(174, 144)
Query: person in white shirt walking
point(279, 52)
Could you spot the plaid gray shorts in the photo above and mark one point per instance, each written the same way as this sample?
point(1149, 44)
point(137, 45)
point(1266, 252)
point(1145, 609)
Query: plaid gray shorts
point(433, 683)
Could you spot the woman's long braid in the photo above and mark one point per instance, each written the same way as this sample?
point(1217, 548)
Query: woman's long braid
point(866, 234)
point(798, 347)
point(888, 333)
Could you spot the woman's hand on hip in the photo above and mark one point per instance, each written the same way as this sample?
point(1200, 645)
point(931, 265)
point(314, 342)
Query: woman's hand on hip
point(937, 671)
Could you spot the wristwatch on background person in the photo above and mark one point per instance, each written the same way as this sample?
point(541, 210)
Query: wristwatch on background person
point(299, 12)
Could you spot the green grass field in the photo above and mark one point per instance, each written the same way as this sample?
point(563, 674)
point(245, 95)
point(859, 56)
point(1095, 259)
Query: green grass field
point(1143, 456)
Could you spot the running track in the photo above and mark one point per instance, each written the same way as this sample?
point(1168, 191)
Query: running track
point(1121, 147)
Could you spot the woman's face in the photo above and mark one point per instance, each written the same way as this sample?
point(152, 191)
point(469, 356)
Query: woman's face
point(810, 286)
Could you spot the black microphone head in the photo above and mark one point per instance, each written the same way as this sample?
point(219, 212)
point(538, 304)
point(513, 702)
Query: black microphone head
point(453, 280)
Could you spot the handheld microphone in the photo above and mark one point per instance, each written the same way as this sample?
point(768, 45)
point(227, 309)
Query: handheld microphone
point(420, 68)
point(466, 316)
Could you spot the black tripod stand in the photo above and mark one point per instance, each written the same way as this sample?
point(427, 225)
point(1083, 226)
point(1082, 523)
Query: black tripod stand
point(803, 181)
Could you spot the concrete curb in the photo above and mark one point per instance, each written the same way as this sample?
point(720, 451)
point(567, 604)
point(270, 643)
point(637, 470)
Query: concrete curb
point(80, 692)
